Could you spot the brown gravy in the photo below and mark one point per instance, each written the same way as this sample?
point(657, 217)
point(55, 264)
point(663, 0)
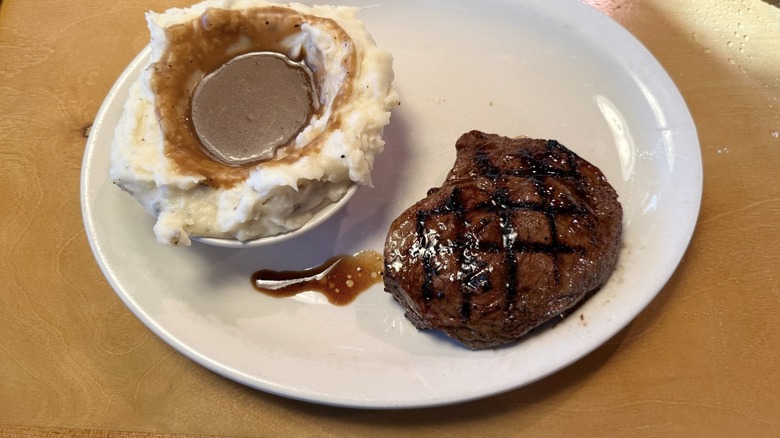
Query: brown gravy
point(348, 279)
point(200, 47)
point(251, 105)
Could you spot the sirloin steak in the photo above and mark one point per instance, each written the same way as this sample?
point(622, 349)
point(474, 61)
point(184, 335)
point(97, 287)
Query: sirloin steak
point(520, 231)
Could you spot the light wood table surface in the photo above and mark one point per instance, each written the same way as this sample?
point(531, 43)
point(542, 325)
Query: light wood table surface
point(702, 360)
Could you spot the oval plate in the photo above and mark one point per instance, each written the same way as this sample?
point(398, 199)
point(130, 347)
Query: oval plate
point(543, 68)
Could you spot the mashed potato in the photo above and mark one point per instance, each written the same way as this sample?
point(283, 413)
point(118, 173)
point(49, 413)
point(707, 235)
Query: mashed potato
point(157, 158)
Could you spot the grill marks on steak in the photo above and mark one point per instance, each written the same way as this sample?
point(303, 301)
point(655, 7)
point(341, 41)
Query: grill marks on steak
point(520, 231)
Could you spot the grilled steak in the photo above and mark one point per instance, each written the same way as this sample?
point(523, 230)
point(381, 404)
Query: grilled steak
point(520, 231)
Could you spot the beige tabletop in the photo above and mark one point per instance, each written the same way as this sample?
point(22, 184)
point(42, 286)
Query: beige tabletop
point(702, 360)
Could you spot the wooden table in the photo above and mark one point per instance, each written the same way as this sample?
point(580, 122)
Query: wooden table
point(702, 360)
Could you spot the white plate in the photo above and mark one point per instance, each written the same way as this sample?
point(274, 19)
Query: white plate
point(544, 68)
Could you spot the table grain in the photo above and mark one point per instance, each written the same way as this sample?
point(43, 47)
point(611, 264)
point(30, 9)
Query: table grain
point(701, 360)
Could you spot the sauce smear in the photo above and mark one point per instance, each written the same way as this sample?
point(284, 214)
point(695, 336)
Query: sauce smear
point(351, 275)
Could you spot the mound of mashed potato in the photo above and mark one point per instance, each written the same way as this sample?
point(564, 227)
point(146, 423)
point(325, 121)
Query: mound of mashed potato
point(158, 159)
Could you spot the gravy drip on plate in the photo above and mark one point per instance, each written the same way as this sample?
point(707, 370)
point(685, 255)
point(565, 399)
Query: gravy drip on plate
point(200, 47)
point(341, 285)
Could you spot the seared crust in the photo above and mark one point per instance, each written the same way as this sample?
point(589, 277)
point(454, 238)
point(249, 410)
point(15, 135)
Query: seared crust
point(520, 231)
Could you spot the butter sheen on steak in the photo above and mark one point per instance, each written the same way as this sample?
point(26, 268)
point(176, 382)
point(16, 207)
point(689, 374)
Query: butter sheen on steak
point(520, 231)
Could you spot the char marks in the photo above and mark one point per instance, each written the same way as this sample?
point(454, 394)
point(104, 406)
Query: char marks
point(499, 204)
point(520, 231)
